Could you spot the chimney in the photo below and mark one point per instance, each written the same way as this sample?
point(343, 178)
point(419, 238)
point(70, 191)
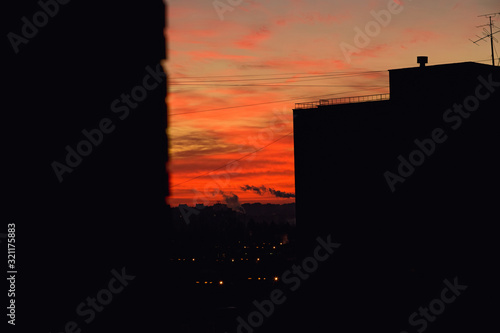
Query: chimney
point(422, 61)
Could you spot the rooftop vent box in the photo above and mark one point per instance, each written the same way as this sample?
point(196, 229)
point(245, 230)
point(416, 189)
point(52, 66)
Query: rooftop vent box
point(422, 61)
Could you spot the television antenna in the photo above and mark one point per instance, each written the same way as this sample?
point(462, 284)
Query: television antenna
point(488, 34)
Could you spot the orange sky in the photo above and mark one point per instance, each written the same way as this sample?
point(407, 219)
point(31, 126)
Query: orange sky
point(276, 53)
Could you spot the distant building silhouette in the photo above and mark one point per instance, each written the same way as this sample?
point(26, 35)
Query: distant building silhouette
point(404, 182)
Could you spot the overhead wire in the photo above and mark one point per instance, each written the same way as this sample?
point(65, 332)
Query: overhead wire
point(267, 74)
point(317, 76)
point(271, 102)
point(269, 85)
point(290, 85)
point(296, 73)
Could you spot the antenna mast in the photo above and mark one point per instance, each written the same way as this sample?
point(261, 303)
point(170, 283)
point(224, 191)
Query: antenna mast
point(488, 34)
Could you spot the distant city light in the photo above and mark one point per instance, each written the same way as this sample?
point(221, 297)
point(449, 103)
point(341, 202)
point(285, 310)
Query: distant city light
point(221, 282)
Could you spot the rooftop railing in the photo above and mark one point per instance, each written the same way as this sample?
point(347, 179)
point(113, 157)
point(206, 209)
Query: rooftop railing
point(343, 100)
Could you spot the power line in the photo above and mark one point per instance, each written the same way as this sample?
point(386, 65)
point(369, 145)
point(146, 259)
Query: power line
point(267, 85)
point(237, 160)
point(285, 100)
point(291, 84)
point(268, 74)
point(270, 102)
point(324, 76)
point(204, 83)
point(297, 73)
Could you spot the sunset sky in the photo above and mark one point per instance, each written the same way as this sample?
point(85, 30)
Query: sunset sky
point(236, 72)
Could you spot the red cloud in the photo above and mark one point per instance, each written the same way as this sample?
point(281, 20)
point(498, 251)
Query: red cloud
point(251, 40)
point(212, 55)
point(417, 36)
point(312, 18)
point(309, 64)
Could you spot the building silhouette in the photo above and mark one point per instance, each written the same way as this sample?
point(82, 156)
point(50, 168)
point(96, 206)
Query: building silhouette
point(406, 182)
point(109, 212)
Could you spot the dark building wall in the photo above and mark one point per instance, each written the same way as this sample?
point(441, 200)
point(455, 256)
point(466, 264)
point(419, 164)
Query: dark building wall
point(398, 247)
point(109, 212)
point(436, 83)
